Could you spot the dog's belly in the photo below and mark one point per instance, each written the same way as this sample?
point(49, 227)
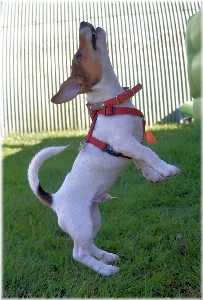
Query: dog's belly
point(98, 168)
point(92, 174)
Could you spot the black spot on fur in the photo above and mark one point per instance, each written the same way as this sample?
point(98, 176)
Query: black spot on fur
point(45, 197)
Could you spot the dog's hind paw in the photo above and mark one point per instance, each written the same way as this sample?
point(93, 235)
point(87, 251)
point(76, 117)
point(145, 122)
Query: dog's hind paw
point(102, 255)
point(108, 270)
point(109, 257)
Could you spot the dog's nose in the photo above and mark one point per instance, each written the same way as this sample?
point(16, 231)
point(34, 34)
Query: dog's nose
point(86, 24)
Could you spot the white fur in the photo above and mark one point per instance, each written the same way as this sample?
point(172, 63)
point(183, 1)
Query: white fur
point(37, 161)
point(94, 172)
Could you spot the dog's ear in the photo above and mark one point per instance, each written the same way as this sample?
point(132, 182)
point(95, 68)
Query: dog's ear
point(69, 89)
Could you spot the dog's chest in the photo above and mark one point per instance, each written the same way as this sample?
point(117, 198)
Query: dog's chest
point(116, 129)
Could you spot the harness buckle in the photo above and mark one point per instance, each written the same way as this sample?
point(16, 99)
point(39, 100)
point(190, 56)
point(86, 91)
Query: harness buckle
point(94, 106)
point(82, 145)
point(109, 149)
point(117, 100)
point(109, 113)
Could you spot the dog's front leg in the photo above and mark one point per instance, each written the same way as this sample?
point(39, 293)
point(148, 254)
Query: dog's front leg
point(146, 158)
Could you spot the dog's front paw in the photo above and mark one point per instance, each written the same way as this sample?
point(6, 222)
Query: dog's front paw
point(155, 178)
point(170, 171)
point(151, 175)
point(108, 270)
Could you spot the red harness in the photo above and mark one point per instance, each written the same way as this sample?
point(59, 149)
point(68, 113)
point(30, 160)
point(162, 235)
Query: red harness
point(107, 108)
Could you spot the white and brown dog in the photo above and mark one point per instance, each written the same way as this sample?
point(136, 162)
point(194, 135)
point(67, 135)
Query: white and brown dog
point(115, 136)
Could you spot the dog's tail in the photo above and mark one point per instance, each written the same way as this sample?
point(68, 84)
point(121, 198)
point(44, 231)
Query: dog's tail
point(33, 171)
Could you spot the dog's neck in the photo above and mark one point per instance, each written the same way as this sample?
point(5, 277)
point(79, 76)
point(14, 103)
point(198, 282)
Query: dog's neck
point(109, 87)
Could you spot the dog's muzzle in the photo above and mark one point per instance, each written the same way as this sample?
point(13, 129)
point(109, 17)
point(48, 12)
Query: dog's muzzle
point(84, 24)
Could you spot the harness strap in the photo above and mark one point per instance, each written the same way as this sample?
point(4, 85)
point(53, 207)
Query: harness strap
point(112, 110)
point(127, 94)
point(107, 109)
point(105, 146)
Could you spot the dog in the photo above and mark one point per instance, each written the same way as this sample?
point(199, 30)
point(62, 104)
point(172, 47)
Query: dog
point(118, 137)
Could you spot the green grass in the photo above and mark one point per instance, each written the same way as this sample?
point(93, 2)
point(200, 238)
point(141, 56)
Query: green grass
point(154, 228)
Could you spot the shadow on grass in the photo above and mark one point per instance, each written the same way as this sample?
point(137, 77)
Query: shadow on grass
point(19, 150)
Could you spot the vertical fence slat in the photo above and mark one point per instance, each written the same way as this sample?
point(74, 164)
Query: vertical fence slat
point(5, 122)
point(9, 61)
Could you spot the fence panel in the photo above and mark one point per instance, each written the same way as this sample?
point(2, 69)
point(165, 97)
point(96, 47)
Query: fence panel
point(146, 42)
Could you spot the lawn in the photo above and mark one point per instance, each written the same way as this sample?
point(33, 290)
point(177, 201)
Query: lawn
point(154, 228)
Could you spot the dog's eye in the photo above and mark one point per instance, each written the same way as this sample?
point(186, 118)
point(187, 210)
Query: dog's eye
point(79, 57)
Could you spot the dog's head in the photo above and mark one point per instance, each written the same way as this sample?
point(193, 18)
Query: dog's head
point(86, 65)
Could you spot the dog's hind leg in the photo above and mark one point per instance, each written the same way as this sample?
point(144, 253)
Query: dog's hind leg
point(83, 251)
point(80, 228)
point(81, 254)
point(96, 218)
point(100, 254)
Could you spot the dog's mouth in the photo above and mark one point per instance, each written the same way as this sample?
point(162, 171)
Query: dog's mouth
point(94, 35)
point(94, 38)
